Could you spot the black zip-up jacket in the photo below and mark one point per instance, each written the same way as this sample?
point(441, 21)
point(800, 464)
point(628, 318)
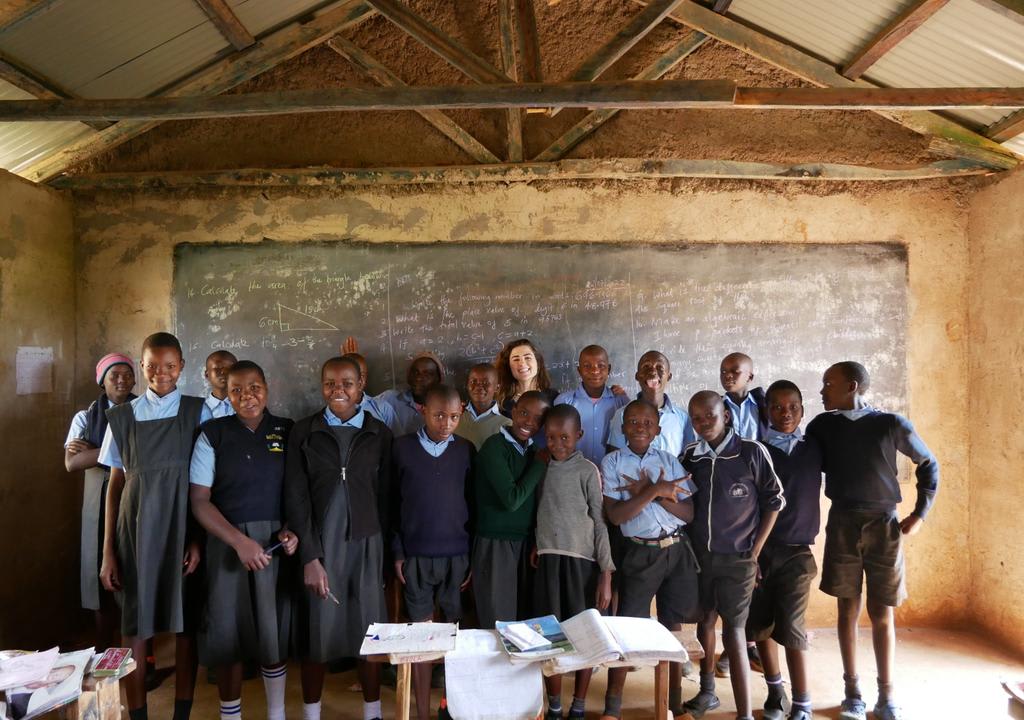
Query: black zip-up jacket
point(313, 468)
point(733, 489)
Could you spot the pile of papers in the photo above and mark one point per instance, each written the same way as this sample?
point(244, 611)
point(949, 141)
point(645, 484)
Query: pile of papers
point(36, 682)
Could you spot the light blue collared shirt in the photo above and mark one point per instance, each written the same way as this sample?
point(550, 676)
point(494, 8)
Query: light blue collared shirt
point(595, 417)
point(783, 441)
point(408, 418)
point(380, 410)
point(855, 413)
point(745, 416)
point(515, 443)
point(676, 430)
point(492, 410)
point(148, 406)
point(653, 521)
point(79, 423)
point(204, 460)
point(214, 408)
point(355, 421)
point(704, 447)
point(436, 449)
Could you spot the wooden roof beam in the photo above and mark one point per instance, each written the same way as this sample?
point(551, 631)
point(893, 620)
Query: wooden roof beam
point(438, 42)
point(233, 70)
point(224, 18)
point(622, 94)
point(593, 121)
point(815, 71)
point(892, 34)
point(1006, 128)
point(621, 43)
point(507, 33)
point(379, 73)
point(599, 169)
point(527, 43)
point(38, 86)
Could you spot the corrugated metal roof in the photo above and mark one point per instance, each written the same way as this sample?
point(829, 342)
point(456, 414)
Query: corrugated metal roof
point(962, 45)
point(22, 143)
point(261, 16)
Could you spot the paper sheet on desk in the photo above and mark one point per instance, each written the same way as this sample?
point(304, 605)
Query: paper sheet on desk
point(482, 684)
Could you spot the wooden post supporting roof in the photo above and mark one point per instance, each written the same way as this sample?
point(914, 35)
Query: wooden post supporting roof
point(438, 42)
point(224, 18)
point(527, 45)
point(589, 124)
point(604, 169)
point(507, 32)
point(234, 70)
point(374, 70)
point(892, 34)
point(38, 86)
point(621, 43)
point(802, 65)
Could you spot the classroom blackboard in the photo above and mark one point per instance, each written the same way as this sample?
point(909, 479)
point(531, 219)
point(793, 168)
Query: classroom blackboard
point(795, 308)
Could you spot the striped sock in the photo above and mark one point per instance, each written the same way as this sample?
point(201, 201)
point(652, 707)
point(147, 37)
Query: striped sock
point(774, 685)
point(273, 685)
point(231, 709)
point(371, 710)
point(311, 711)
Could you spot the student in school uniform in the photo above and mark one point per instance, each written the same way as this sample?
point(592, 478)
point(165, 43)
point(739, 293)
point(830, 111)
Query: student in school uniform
point(505, 479)
point(572, 556)
point(863, 534)
point(738, 499)
point(432, 472)
point(115, 374)
point(425, 369)
point(654, 373)
point(749, 418)
point(217, 404)
point(787, 567)
point(377, 408)
point(337, 473)
point(521, 369)
point(745, 402)
point(647, 494)
point(149, 547)
point(482, 417)
point(594, 401)
point(237, 477)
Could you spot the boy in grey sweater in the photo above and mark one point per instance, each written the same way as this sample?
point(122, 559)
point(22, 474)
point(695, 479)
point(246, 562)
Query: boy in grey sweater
point(572, 555)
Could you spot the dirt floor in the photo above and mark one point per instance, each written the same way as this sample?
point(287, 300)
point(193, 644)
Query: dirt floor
point(568, 33)
point(928, 662)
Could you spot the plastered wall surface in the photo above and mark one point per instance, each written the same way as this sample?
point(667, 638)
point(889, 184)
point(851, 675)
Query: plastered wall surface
point(130, 238)
point(997, 396)
point(39, 501)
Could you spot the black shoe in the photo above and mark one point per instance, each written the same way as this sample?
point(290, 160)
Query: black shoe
point(437, 677)
point(755, 659)
point(701, 703)
point(722, 666)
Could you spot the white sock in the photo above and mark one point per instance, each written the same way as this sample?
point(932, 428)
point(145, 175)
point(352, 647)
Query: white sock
point(273, 684)
point(231, 709)
point(371, 710)
point(311, 711)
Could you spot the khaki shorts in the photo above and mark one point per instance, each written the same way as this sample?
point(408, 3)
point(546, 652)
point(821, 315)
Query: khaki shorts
point(863, 546)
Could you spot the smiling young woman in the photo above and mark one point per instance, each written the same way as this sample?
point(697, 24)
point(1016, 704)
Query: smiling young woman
point(520, 366)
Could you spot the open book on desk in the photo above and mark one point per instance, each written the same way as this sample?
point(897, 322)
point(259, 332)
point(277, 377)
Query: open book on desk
point(549, 630)
point(614, 641)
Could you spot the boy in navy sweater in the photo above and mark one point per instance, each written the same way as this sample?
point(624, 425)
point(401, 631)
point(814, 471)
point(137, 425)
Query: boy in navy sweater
point(863, 535)
point(787, 566)
point(737, 501)
point(431, 542)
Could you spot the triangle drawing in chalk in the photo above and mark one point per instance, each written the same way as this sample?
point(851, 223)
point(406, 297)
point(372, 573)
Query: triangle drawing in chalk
point(292, 320)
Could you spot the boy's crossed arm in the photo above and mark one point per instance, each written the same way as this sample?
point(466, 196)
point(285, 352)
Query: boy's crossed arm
point(643, 492)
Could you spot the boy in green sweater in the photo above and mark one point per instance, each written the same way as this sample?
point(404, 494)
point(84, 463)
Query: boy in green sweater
point(505, 477)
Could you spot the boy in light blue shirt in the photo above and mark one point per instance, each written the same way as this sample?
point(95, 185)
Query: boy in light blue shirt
point(377, 408)
point(647, 494)
point(216, 404)
point(594, 401)
point(653, 373)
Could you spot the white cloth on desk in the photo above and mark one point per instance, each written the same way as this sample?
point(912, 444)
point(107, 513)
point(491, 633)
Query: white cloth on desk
point(482, 684)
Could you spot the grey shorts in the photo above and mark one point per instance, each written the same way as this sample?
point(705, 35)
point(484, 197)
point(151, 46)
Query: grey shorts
point(863, 546)
point(668, 575)
point(430, 581)
point(726, 585)
point(779, 604)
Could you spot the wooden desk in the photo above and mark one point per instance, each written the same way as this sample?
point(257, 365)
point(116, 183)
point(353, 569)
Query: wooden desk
point(100, 698)
point(403, 688)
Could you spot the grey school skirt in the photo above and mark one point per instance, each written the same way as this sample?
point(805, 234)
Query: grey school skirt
point(248, 614)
